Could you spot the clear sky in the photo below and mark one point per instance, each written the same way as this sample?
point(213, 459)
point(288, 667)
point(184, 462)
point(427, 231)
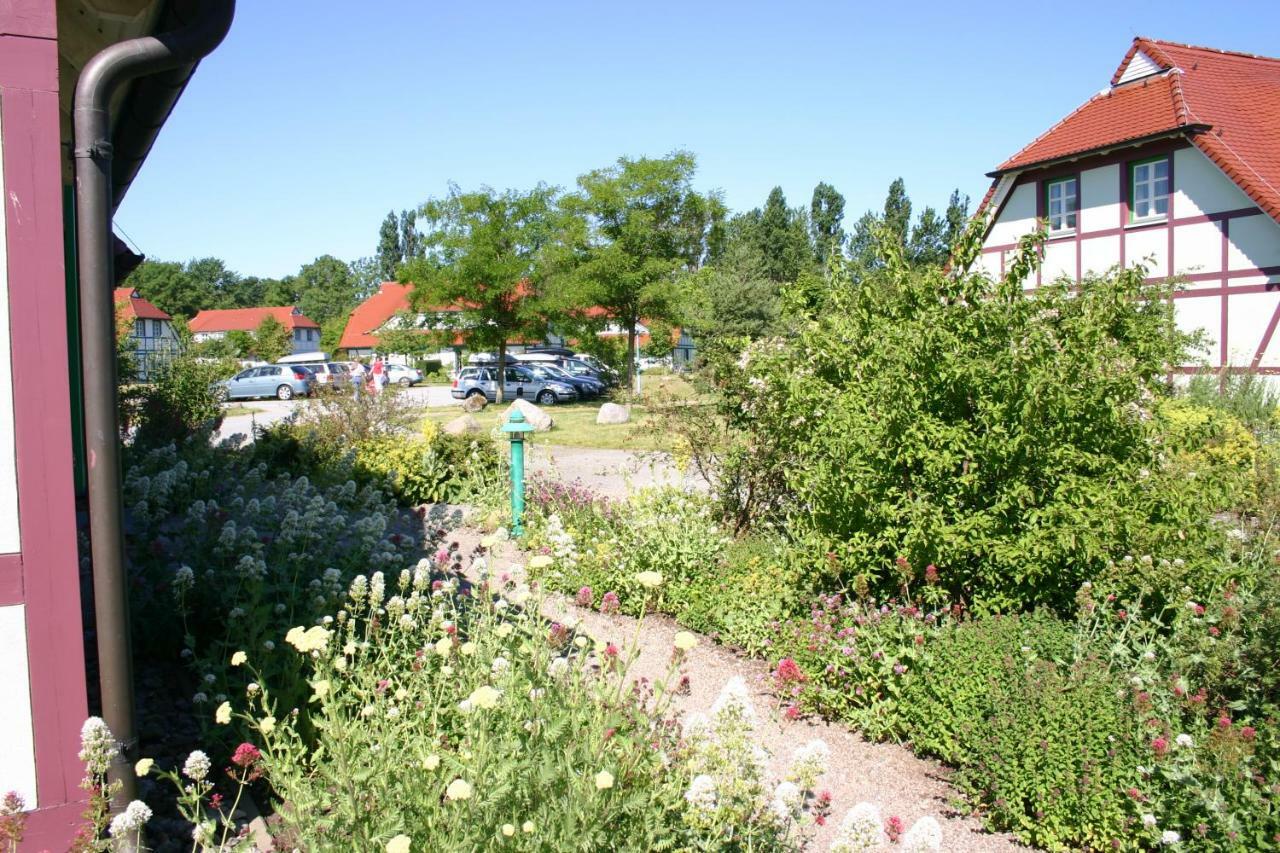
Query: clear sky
point(316, 117)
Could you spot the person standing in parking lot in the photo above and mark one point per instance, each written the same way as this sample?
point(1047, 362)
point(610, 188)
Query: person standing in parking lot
point(379, 375)
point(357, 379)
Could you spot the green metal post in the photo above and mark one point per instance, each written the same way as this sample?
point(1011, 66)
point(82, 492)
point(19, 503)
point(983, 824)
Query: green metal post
point(515, 428)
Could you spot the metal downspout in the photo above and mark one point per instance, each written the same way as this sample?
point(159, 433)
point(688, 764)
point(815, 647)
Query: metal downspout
point(99, 80)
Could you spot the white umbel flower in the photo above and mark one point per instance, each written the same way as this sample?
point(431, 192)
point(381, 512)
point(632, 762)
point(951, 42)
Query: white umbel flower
point(924, 836)
point(862, 829)
point(702, 793)
point(132, 819)
point(734, 701)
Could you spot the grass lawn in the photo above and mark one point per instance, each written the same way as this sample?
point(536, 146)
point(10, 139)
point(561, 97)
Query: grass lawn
point(231, 410)
point(575, 423)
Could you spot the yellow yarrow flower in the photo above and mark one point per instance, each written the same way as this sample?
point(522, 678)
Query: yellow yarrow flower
point(685, 641)
point(649, 580)
point(143, 767)
point(527, 826)
point(504, 630)
point(467, 649)
point(604, 780)
point(267, 725)
point(508, 830)
point(541, 561)
point(458, 789)
point(431, 762)
point(238, 658)
point(313, 639)
point(485, 697)
point(489, 541)
point(443, 646)
point(321, 689)
point(222, 716)
point(399, 844)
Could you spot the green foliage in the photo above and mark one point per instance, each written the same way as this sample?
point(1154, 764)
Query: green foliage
point(484, 252)
point(390, 253)
point(1005, 438)
point(424, 469)
point(331, 332)
point(271, 340)
point(826, 212)
point(180, 401)
point(1247, 396)
point(326, 289)
point(634, 227)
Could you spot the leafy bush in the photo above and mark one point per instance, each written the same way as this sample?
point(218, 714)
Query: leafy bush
point(421, 470)
point(180, 401)
point(1005, 438)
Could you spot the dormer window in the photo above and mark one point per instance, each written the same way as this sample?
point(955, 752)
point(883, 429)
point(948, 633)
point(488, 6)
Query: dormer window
point(1062, 199)
point(1149, 190)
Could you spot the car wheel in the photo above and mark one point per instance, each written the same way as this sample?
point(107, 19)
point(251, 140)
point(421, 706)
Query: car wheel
point(404, 382)
point(284, 392)
point(546, 398)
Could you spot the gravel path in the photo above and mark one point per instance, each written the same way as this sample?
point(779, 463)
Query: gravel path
point(611, 473)
point(887, 775)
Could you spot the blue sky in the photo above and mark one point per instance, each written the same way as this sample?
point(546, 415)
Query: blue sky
point(311, 121)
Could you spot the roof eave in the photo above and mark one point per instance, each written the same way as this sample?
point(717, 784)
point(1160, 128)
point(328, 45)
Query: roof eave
point(1182, 130)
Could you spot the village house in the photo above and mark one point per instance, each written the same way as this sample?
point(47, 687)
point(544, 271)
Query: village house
point(213, 324)
point(82, 99)
point(1175, 164)
point(150, 331)
point(389, 310)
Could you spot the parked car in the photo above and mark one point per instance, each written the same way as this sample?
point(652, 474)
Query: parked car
point(403, 375)
point(586, 387)
point(283, 381)
point(520, 383)
point(559, 352)
point(327, 373)
point(577, 367)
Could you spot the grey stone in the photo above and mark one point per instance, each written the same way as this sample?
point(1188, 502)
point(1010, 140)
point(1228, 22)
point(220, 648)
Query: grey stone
point(612, 413)
point(463, 425)
point(474, 403)
point(538, 419)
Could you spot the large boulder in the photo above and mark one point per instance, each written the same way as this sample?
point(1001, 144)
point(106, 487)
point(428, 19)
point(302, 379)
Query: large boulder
point(474, 403)
point(463, 425)
point(538, 419)
point(612, 413)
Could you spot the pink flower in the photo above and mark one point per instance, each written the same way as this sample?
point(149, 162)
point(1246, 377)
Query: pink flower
point(246, 755)
point(584, 597)
point(893, 828)
point(1224, 722)
point(558, 635)
point(1159, 746)
point(789, 671)
point(792, 712)
point(931, 574)
point(1248, 732)
point(609, 603)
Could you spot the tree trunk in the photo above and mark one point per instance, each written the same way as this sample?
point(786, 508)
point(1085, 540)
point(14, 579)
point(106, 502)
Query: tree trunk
point(631, 355)
point(501, 373)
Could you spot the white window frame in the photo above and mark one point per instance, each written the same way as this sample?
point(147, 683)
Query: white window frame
point(1068, 205)
point(1150, 183)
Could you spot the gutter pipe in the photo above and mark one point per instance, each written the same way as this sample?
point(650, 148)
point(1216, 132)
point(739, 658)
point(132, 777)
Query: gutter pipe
point(101, 77)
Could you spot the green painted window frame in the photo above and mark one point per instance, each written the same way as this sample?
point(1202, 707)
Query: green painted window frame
point(1066, 230)
point(1133, 171)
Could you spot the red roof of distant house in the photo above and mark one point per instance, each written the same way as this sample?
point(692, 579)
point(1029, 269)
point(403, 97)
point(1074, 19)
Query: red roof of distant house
point(372, 314)
point(1227, 103)
point(249, 319)
point(133, 305)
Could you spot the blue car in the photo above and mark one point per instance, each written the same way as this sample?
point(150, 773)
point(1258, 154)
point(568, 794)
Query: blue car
point(282, 381)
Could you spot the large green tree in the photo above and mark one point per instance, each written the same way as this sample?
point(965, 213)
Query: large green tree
point(271, 340)
point(638, 226)
point(390, 254)
point(826, 213)
point(326, 288)
point(782, 239)
point(485, 254)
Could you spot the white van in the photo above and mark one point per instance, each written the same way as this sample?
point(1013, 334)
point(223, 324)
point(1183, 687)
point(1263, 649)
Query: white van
point(304, 357)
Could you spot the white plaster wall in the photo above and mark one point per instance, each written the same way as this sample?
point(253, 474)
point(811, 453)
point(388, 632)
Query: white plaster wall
point(1199, 186)
point(1100, 200)
point(989, 263)
point(10, 541)
point(1247, 317)
point(1059, 261)
point(17, 744)
point(1149, 246)
point(1201, 312)
point(1018, 217)
point(1254, 242)
point(1197, 248)
point(1099, 254)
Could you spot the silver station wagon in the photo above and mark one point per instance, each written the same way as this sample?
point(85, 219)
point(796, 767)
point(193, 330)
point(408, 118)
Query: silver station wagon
point(520, 383)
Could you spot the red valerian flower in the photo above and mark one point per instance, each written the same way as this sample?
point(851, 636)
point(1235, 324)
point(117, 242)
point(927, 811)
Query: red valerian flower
point(609, 603)
point(246, 755)
point(1159, 745)
point(789, 671)
point(893, 828)
point(584, 597)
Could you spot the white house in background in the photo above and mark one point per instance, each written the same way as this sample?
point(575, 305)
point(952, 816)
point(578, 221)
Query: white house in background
point(214, 324)
point(1175, 164)
point(151, 330)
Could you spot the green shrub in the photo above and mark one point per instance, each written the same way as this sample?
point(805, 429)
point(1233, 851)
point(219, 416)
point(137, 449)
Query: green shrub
point(1003, 437)
point(181, 400)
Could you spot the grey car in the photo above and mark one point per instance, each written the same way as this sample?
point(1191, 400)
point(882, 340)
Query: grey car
point(282, 381)
point(330, 373)
point(520, 383)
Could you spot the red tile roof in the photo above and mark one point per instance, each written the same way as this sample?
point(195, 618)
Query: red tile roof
point(1227, 103)
point(370, 316)
point(133, 305)
point(249, 319)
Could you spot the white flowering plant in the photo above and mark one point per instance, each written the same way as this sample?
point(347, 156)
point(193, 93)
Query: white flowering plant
point(460, 719)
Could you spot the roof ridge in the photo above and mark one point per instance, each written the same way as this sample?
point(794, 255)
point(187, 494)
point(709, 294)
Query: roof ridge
point(1206, 49)
point(1181, 108)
